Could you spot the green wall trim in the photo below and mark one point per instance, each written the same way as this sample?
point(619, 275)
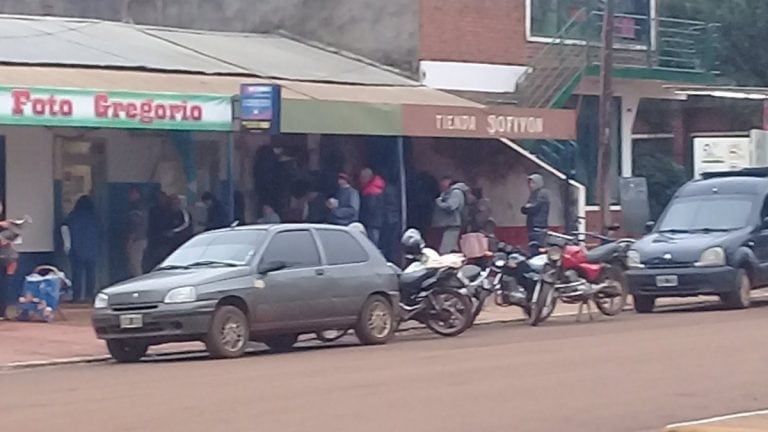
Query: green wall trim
point(343, 118)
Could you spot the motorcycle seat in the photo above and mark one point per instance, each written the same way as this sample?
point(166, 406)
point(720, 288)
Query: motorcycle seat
point(602, 254)
point(471, 272)
point(411, 282)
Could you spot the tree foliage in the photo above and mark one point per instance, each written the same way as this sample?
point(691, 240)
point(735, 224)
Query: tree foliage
point(743, 30)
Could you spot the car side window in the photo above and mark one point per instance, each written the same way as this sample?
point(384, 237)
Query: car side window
point(297, 249)
point(341, 247)
point(764, 211)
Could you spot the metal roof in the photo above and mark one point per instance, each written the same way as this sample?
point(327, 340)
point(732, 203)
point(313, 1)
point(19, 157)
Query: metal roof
point(149, 81)
point(34, 40)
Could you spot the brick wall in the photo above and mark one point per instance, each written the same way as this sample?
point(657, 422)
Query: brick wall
point(477, 31)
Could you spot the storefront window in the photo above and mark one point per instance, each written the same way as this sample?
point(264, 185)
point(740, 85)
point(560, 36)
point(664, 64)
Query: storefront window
point(550, 17)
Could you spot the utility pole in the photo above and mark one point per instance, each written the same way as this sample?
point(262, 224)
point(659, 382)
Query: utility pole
point(605, 117)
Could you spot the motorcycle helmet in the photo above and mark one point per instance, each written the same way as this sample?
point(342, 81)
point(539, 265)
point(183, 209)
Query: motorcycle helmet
point(412, 242)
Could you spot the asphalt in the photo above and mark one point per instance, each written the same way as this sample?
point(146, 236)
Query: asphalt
point(632, 373)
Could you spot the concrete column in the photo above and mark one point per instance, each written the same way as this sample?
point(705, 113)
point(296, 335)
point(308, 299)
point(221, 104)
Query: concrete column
point(629, 104)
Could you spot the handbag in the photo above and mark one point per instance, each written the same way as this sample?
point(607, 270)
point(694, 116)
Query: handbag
point(474, 245)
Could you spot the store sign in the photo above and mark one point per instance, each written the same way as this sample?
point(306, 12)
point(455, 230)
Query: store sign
point(490, 122)
point(712, 154)
point(36, 106)
point(260, 107)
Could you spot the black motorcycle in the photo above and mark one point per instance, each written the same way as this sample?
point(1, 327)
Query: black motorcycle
point(511, 277)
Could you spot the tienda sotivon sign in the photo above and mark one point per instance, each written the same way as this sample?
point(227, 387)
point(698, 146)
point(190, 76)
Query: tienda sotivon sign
point(38, 106)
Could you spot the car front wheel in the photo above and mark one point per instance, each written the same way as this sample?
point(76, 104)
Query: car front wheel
point(125, 351)
point(377, 321)
point(740, 298)
point(644, 304)
point(229, 333)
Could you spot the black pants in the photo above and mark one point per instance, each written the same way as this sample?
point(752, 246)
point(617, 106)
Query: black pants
point(536, 239)
point(83, 279)
point(5, 288)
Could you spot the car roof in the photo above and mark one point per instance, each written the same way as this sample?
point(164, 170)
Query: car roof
point(282, 227)
point(731, 185)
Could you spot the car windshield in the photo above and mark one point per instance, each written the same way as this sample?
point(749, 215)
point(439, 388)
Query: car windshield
point(706, 214)
point(230, 248)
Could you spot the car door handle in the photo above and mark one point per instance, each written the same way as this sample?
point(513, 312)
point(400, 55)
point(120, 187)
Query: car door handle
point(319, 272)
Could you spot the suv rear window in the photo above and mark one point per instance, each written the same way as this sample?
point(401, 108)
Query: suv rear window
point(341, 248)
point(707, 213)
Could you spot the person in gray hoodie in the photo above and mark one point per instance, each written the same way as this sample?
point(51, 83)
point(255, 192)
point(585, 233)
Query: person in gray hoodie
point(449, 208)
point(345, 206)
point(536, 211)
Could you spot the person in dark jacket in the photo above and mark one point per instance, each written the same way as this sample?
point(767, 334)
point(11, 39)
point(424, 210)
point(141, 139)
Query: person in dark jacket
point(372, 204)
point(179, 224)
point(345, 206)
point(82, 242)
point(159, 221)
point(536, 211)
point(390, 231)
point(217, 213)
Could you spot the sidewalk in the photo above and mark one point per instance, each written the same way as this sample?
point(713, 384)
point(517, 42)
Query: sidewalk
point(73, 338)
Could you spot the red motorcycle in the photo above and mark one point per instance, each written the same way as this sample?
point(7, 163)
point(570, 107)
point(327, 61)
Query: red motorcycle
point(575, 275)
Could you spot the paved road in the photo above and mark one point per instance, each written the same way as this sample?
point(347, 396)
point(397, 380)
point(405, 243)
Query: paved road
point(632, 373)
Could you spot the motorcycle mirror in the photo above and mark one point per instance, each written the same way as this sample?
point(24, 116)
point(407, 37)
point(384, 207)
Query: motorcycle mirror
point(613, 227)
point(501, 247)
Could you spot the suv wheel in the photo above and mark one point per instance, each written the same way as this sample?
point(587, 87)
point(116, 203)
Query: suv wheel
point(377, 322)
point(644, 304)
point(282, 343)
point(741, 297)
point(126, 352)
point(229, 333)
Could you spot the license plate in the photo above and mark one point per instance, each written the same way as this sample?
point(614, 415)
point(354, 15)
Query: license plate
point(131, 321)
point(666, 281)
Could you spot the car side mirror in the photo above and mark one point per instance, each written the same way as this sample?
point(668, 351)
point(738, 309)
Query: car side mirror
point(272, 266)
point(765, 224)
point(649, 226)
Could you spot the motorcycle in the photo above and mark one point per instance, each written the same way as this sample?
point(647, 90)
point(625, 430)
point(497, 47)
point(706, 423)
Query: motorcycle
point(511, 277)
point(574, 275)
point(433, 292)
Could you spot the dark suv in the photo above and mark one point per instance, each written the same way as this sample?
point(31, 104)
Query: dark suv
point(712, 239)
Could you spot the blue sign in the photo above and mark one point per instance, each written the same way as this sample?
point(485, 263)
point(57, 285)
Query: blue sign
point(260, 107)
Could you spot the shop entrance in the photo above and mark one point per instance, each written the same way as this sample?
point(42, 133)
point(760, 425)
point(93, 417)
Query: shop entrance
point(84, 172)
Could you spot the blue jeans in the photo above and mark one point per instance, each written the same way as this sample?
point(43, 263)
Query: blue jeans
point(83, 279)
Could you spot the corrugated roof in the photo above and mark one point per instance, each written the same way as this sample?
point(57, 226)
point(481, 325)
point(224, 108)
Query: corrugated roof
point(35, 40)
point(105, 79)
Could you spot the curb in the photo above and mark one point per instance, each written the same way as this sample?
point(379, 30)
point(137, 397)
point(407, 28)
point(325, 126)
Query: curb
point(106, 358)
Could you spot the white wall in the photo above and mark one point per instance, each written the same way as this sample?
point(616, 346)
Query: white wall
point(507, 190)
point(478, 77)
point(29, 183)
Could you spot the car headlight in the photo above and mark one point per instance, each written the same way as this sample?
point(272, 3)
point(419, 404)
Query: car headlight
point(181, 295)
point(712, 257)
point(633, 260)
point(500, 263)
point(554, 253)
point(101, 301)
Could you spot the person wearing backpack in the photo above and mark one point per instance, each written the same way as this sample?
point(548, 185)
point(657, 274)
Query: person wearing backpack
point(450, 213)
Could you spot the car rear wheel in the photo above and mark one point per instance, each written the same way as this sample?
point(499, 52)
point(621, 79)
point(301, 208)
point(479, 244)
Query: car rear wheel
point(643, 304)
point(125, 351)
point(229, 333)
point(282, 343)
point(741, 297)
point(377, 322)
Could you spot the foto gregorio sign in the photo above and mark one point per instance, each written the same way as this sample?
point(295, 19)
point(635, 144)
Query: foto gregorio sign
point(37, 106)
point(489, 122)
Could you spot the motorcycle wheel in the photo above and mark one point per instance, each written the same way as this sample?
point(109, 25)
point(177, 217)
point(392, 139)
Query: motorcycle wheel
point(543, 306)
point(450, 314)
point(330, 335)
point(610, 301)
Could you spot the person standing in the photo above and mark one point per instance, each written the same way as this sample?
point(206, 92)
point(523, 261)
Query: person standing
point(390, 230)
point(82, 242)
point(158, 223)
point(372, 204)
point(217, 213)
point(536, 211)
point(136, 232)
point(449, 208)
point(345, 206)
point(179, 224)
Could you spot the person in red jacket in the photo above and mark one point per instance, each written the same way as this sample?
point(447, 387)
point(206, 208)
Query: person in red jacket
point(372, 204)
